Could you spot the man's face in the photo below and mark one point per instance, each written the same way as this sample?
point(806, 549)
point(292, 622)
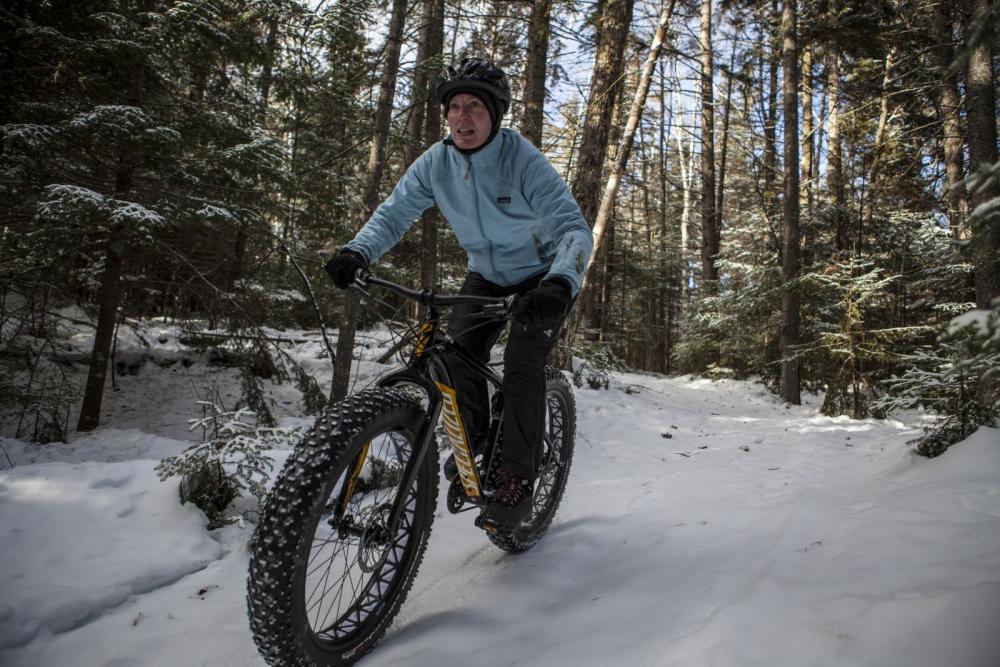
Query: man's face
point(469, 121)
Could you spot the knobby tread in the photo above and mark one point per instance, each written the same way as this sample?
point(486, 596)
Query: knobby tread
point(287, 519)
point(522, 539)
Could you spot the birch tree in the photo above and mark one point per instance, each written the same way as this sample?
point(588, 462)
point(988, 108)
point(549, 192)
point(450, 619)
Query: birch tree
point(603, 220)
point(615, 19)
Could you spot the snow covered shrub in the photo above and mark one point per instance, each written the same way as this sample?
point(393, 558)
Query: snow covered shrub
point(871, 309)
point(598, 364)
point(36, 395)
point(278, 306)
point(227, 463)
point(379, 474)
point(255, 399)
point(852, 347)
point(960, 379)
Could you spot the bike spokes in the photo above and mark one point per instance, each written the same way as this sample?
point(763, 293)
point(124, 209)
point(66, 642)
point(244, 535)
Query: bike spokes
point(354, 559)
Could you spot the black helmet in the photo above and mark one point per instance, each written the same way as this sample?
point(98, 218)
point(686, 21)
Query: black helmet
point(476, 76)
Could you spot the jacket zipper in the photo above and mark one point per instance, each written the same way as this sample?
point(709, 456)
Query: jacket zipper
point(479, 218)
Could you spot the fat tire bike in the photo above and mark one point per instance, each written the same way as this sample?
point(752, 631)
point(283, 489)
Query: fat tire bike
point(344, 529)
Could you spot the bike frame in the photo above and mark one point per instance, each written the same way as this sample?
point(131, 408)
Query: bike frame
point(427, 370)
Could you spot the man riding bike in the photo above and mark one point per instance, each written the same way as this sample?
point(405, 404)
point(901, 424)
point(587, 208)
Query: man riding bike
point(524, 235)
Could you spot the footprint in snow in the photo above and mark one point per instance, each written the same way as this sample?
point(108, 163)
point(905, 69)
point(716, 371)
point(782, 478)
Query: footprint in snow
point(111, 483)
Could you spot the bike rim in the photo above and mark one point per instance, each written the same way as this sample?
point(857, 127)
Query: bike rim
point(354, 564)
point(550, 472)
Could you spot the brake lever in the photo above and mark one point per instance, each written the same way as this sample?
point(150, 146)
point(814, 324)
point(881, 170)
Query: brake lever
point(500, 310)
point(360, 282)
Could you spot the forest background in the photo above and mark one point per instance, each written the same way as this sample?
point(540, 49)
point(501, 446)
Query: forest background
point(803, 192)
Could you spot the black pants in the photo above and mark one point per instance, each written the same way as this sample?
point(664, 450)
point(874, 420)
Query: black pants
point(523, 378)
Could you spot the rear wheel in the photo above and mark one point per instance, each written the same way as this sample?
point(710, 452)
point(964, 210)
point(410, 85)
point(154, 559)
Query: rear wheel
point(557, 455)
point(328, 572)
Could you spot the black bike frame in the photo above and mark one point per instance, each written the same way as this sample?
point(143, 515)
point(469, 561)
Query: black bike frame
point(426, 367)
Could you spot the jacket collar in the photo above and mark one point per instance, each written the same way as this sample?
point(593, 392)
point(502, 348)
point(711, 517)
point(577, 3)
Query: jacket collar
point(488, 153)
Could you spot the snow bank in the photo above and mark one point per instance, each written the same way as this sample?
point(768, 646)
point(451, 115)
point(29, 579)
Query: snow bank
point(76, 540)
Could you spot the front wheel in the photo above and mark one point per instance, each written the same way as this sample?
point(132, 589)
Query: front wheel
point(328, 570)
point(558, 439)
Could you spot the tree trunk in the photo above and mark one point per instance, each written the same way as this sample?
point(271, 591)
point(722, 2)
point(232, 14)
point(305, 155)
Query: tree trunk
point(345, 346)
point(609, 61)
point(421, 77)
point(687, 168)
point(431, 220)
point(835, 161)
point(720, 196)
point(592, 301)
point(806, 197)
point(980, 100)
point(625, 147)
point(267, 71)
point(370, 197)
point(615, 19)
point(383, 114)
point(666, 272)
point(109, 296)
point(624, 150)
point(790, 208)
point(771, 127)
point(871, 178)
point(951, 130)
point(709, 230)
point(535, 71)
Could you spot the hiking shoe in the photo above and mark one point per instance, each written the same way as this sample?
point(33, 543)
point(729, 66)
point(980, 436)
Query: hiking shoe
point(511, 502)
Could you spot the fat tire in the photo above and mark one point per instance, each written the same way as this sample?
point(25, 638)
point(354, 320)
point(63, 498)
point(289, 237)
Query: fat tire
point(280, 550)
point(558, 396)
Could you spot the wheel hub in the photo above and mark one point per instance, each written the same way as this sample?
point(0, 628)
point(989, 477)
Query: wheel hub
point(375, 540)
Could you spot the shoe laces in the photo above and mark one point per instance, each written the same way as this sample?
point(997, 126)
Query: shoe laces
point(511, 489)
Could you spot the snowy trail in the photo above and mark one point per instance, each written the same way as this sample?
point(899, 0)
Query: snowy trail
point(753, 535)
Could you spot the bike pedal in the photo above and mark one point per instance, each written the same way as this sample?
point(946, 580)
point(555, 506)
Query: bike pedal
point(489, 525)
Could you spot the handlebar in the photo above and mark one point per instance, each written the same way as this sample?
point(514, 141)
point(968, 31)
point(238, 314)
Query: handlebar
point(492, 306)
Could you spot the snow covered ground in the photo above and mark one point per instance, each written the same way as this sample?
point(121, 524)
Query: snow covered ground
point(705, 524)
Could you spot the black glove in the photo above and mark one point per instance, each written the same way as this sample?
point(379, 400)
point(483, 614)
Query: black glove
point(343, 268)
point(545, 305)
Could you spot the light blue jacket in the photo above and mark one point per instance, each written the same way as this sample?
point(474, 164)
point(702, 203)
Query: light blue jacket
point(509, 208)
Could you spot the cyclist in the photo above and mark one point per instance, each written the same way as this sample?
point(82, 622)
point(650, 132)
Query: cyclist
point(524, 234)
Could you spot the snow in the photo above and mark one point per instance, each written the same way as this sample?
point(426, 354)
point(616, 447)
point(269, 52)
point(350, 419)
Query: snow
point(77, 543)
point(212, 212)
point(70, 195)
point(126, 212)
point(986, 210)
point(122, 117)
point(978, 320)
point(705, 523)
